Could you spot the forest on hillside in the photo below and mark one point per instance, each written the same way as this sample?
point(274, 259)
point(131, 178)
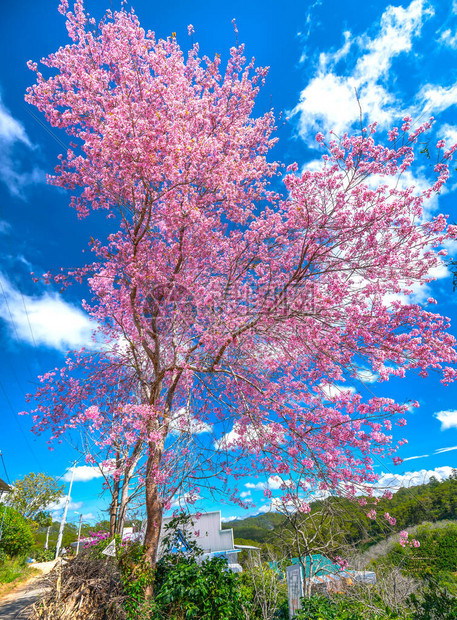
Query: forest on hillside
point(410, 506)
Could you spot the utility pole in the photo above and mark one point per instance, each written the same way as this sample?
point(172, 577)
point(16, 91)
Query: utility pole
point(4, 492)
point(79, 533)
point(47, 538)
point(64, 516)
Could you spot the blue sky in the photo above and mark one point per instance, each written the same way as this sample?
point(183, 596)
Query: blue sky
point(401, 58)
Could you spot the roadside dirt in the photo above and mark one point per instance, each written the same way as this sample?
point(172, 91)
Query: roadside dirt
point(16, 604)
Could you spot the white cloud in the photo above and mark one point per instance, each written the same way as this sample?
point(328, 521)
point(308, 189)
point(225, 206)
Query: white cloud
point(183, 422)
point(44, 320)
point(183, 500)
point(412, 458)
point(449, 39)
point(5, 227)
point(56, 507)
point(441, 450)
point(227, 519)
point(448, 419)
point(245, 494)
point(84, 473)
point(89, 516)
point(438, 98)
point(335, 391)
point(329, 101)
point(258, 485)
point(273, 482)
point(367, 376)
point(393, 482)
point(253, 435)
point(12, 132)
point(276, 482)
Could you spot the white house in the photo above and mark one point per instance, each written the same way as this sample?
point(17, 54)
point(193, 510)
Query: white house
point(209, 536)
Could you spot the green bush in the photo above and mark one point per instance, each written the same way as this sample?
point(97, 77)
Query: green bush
point(264, 592)
point(435, 604)
point(340, 608)
point(17, 537)
point(183, 589)
point(206, 591)
point(136, 577)
point(12, 568)
point(44, 555)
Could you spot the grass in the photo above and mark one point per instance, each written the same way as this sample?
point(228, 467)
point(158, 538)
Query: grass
point(14, 571)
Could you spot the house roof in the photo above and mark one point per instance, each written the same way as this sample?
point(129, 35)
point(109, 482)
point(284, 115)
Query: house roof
point(5, 487)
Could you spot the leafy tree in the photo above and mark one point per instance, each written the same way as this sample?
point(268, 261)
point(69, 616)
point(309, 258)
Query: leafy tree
point(232, 298)
point(34, 493)
point(17, 536)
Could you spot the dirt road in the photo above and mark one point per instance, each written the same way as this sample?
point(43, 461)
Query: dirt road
point(16, 604)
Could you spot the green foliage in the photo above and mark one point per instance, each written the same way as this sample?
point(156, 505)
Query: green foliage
point(43, 519)
point(255, 529)
point(44, 555)
point(17, 537)
point(206, 591)
point(183, 588)
point(428, 502)
point(70, 534)
point(323, 608)
point(12, 568)
point(340, 608)
point(435, 604)
point(437, 554)
point(261, 588)
point(34, 493)
point(136, 576)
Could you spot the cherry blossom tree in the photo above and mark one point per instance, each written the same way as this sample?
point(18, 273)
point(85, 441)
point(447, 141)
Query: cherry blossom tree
point(227, 301)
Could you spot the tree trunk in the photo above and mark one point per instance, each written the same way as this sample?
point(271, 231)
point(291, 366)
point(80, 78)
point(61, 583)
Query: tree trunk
point(114, 502)
point(154, 511)
point(113, 509)
point(128, 474)
point(122, 507)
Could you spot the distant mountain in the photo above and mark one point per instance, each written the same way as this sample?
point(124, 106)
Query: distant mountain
point(434, 501)
point(257, 528)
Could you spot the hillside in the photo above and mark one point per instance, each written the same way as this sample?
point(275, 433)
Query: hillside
point(434, 501)
point(258, 528)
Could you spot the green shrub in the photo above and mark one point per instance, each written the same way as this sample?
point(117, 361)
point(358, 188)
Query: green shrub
point(182, 590)
point(206, 591)
point(12, 568)
point(44, 555)
point(264, 592)
point(340, 608)
point(435, 604)
point(17, 537)
point(136, 577)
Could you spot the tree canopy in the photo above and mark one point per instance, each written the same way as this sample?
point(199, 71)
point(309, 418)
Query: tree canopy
point(230, 293)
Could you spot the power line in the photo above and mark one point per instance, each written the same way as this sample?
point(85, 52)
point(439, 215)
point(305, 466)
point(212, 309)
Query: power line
point(4, 467)
point(46, 128)
point(17, 336)
point(26, 312)
point(20, 427)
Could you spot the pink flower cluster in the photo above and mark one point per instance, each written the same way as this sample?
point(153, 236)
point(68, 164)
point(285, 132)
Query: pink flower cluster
point(405, 542)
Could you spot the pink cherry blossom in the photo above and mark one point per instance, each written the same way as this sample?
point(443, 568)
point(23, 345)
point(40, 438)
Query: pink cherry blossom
point(224, 300)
